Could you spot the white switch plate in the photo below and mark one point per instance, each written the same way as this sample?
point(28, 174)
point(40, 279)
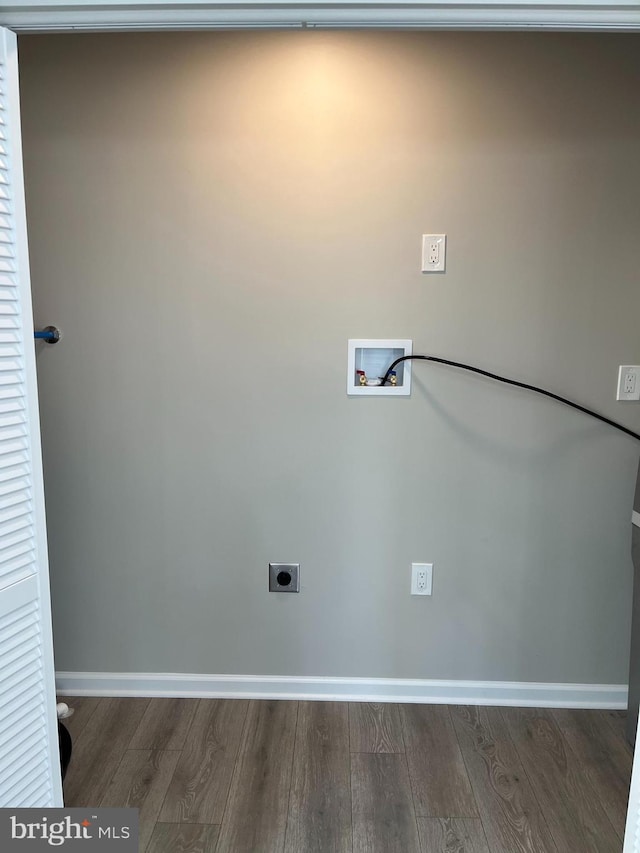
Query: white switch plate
point(434, 252)
point(628, 382)
point(421, 578)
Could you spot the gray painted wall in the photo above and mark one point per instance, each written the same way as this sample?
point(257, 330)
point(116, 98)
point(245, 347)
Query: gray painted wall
point(211, 217)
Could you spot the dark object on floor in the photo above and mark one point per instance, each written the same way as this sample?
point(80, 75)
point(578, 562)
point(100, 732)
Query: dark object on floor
point(64, 742)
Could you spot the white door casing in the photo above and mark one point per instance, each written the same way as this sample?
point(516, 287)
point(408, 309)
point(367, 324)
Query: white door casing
point(128, 15)
point(25, 600)
point(632, 829)
point(29, 759)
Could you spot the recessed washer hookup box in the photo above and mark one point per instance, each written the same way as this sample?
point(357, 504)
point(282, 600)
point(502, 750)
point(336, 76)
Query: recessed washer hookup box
point(368, 360)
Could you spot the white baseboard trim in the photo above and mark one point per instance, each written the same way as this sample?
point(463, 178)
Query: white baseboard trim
point(511, 693)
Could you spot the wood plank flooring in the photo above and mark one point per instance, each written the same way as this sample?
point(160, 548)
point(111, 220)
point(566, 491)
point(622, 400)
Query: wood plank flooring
point(240, 776)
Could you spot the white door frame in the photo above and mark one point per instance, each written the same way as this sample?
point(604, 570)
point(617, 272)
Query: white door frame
point(124, 15)
point(127, 15)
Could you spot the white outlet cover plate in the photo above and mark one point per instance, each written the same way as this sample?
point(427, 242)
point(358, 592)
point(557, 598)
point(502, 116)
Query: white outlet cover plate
point(628, 373)
point(416, 568)
point(434, 252)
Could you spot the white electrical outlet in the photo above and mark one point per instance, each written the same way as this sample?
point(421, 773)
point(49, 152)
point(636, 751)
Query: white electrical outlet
point(628, 382)
point(421, 578)
point(434, 252)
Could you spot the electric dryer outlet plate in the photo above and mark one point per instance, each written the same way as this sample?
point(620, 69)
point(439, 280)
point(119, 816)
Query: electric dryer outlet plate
point(284, 577)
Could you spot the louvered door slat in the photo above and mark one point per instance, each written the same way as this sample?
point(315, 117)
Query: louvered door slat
point(11, 407)
point(17, 471)
point(24, 790)
point(12, 384)
point(22, 562)
point(19, 636)
point(13, 485)
point(11, 674)
point(14, 680)
point(11, 462)
point(23, 621)
point(15, 510)
point(29, 763)
point(37, 799)
point(20, 772)
point(18, 530)
point(13, 536)
point(23, 776)
point(25, 683)
point(21, 703)
point(12, 422)
point(12, 390)
point(16, 497)
point(10, 364)
point(16, 739)
point(7, 321)
point(12, 414)
point(13, 444)
point(19, 648)
point(17, 569)
point(23, 533)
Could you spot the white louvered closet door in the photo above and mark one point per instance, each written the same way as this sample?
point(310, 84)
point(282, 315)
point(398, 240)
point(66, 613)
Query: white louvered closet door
point(29, 762)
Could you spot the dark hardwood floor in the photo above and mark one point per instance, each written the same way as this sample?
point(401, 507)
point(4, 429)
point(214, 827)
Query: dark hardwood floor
point(240, 776)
